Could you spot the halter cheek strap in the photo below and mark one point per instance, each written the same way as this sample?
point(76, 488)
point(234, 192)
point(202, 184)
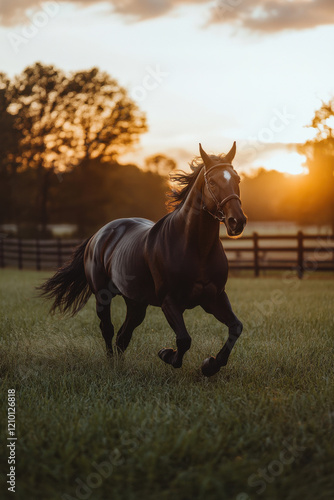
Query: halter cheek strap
point(219, 204)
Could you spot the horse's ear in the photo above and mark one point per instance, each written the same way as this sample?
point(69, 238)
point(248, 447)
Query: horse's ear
point(205, 157)
point(231, 154)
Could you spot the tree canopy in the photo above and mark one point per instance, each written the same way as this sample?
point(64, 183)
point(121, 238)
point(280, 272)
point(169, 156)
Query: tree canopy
point(160, 164)
point(319, 152)
point(52, 121)
point(65, 119)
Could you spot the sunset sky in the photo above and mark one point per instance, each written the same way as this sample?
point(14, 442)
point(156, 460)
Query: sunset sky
point(253, 71)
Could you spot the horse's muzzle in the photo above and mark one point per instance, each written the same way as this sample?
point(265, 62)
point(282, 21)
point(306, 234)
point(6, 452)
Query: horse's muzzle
point(235, 226)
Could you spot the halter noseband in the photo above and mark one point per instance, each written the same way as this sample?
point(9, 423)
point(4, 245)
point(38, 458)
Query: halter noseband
point(219, 204)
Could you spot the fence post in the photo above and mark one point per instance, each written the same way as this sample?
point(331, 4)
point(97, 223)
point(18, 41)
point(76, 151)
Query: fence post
point(2, 253)
point(19, 249)
point(59, 253)
point(38, 255)
point(256, 254)
point(300, 255)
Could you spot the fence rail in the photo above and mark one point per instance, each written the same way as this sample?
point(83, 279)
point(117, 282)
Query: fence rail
point(259, 253)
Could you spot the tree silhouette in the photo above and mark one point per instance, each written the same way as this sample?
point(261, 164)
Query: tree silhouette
point(64, 120)
point(319, 154)
point(160, 164)
point(95, 193)
point(103, 119)
point(10, 138)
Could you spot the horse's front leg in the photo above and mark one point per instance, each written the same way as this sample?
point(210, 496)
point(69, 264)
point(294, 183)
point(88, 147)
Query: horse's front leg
point(174, 316)
point(222, 310)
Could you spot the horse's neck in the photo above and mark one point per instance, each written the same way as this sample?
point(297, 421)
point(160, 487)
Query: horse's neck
point(200, 229)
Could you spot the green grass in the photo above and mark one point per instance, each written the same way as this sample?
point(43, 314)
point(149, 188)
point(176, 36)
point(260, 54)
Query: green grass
point(165, 433)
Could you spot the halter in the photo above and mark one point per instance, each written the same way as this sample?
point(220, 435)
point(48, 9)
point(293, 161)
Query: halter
point(219, 204)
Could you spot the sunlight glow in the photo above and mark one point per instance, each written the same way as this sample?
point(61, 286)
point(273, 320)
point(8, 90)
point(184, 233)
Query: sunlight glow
point(289, 163)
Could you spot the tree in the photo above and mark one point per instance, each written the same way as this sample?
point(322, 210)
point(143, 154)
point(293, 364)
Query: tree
point(106, 191)
point(9, 141)
point(103, 119)
point(160, 164)
point(67, 119)
point(319, 154)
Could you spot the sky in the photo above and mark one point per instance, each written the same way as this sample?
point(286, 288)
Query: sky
point(253, 71)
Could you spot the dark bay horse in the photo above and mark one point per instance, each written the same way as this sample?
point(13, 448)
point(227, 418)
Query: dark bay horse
point(176, 264)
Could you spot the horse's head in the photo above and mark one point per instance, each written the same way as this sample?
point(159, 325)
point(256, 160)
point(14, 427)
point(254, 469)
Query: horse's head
point(221, 191)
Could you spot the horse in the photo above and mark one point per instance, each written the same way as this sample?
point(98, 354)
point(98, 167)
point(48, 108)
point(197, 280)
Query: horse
point(177, 263)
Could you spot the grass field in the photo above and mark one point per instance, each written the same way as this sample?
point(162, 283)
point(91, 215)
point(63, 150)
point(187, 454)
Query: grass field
point(138, 429)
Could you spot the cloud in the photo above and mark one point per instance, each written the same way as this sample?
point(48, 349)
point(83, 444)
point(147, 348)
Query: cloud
point(273, 15)
point(256, 15)
point(15, 12)
point(12, 13)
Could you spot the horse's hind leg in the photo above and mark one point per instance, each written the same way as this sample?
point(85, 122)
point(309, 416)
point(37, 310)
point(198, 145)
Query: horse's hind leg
point(106, 326)
point(222, 310)
point(135, 315)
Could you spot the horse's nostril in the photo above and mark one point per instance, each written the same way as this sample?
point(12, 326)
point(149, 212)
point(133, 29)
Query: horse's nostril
point(232, 222)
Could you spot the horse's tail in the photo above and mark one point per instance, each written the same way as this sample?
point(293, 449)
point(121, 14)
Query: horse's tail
point(68, 287)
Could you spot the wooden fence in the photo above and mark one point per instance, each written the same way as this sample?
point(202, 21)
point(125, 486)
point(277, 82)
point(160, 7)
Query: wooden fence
point(259, 253)
point(38, 254)
point(300, 252)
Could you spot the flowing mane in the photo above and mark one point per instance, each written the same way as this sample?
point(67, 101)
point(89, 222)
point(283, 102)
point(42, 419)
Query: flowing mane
point(176, 197)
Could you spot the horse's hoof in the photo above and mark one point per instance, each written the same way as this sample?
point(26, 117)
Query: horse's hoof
point(165, 354)
point(168, 356)
point(210, 366)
